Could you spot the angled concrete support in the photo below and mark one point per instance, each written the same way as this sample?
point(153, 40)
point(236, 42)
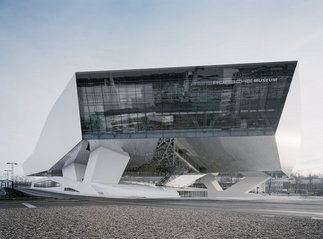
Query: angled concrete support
point(105, 166)
point(213, 187)
point(250, 182)
point(184, 180)
point(74, 171)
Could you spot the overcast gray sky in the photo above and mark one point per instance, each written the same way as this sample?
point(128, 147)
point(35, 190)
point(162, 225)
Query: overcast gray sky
point(42, 43)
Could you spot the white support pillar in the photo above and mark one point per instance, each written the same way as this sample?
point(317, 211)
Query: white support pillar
point(105, 166)
point(251, 181)
point(213, 187)
point(74, 171)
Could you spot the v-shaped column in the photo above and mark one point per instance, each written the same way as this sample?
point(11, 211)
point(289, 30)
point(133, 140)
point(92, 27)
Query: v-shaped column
point(105, 166)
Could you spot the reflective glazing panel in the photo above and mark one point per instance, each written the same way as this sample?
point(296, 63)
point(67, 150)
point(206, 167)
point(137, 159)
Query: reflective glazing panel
point(198, 101)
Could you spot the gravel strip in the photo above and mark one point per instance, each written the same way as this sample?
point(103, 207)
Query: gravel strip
point(149, 222)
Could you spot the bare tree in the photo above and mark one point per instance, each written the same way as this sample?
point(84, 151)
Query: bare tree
point(310, 182)
point(297, 179)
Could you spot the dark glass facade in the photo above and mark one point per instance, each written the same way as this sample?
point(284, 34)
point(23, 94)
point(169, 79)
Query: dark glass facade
point(228, 100)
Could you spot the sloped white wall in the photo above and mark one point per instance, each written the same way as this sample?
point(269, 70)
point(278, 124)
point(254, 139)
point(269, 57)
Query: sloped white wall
point(288, 134)
point(61, 132)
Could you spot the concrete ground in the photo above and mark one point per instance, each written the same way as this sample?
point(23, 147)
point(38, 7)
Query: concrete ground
point(147, 218)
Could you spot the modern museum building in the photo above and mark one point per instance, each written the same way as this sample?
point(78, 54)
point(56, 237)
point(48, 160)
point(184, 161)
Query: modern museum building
point(155, 132)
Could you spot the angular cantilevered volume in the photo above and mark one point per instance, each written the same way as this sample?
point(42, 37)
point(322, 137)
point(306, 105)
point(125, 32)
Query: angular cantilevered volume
point(226, 118)
point(288, 134)
point(61, 132)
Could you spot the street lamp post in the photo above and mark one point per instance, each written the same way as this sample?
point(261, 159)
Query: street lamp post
point(7, 176)
point(12, 167)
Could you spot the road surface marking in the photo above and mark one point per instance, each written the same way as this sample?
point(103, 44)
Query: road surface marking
point(317, 218)
point(28, 205)
point(268, 215)
point(293, 212)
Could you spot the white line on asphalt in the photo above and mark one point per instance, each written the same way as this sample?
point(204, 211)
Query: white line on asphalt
point(317, 218)
point(268, 215)
point(28, 205)
point(293, 212)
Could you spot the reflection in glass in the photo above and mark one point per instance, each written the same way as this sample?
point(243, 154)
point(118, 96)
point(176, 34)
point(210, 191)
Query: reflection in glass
point(46, 184)
point(191, 101)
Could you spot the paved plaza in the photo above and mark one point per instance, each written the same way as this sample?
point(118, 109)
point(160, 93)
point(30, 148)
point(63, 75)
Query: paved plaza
point(115, 218)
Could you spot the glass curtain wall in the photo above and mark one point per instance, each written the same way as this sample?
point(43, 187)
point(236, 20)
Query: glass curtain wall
point(184, 102)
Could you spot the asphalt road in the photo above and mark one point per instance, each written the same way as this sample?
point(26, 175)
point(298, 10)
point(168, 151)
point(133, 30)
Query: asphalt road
point(269, 207)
